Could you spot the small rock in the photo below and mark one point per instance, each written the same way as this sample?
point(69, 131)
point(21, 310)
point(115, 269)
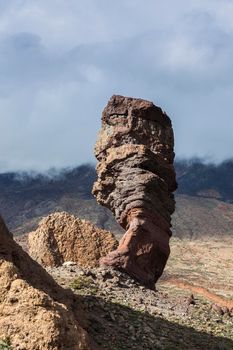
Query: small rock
point(69, 263)
point(225, 310)
point(113, 318)
point(217, 309)
point(131, 329)
point(191, 300)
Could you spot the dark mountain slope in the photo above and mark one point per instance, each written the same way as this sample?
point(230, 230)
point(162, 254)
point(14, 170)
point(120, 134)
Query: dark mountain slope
point(204, 198)
point(206, 180)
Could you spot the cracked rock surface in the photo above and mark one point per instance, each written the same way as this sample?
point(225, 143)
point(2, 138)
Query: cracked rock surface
point(62, 237)
point(35, 312)
point(136, 179)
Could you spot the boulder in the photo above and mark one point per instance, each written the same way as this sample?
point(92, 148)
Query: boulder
point(35, 313)
point(136, 179)
point(61, 237)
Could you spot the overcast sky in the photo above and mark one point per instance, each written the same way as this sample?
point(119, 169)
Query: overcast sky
point(61, 60)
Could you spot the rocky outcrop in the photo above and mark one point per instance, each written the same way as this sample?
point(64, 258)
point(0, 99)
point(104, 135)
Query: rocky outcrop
point(62, 237)
point(35, 313)
point(136, 179)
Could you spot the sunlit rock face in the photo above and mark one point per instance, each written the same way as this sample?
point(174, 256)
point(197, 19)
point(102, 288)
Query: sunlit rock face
point(136, 179)
point(62, 237)
point(35, 312)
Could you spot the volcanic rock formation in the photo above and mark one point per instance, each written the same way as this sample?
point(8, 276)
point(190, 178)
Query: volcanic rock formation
point(62, 237)
point(136, 179)
point(35, 313)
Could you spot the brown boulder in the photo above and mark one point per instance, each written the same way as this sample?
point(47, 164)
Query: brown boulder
point(136, 179)
point(62, 237)
point(35, 313)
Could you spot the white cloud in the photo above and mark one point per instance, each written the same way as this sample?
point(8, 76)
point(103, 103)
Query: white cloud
point(60, 61)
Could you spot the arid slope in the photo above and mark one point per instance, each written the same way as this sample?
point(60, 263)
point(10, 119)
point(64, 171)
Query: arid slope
point(204, 200)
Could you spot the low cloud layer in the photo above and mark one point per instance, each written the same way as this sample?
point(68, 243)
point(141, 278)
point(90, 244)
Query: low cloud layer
point(60, 62)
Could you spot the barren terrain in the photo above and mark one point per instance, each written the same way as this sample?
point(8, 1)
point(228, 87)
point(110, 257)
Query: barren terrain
point(192, 307)
point(205, 264)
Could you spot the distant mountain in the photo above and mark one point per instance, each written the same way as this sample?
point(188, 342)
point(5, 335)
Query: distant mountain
point(26, 198)
point(204, 198)
point(196, 178)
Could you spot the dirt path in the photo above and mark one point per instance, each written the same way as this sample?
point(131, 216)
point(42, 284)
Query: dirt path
point(221, 301)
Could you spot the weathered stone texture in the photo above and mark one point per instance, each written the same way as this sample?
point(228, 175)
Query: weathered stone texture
point(35, 313)
point(136, 179)
point(61, 237)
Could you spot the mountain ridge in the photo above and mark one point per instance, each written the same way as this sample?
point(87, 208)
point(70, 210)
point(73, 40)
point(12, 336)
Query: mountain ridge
point(204, 198)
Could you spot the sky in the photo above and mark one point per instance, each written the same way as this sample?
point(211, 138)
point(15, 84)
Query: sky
point(61, 60)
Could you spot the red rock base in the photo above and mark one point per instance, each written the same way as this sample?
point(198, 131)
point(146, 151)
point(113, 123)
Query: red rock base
point(144, 249)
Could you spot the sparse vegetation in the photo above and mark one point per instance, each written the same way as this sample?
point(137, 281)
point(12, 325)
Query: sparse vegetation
point(81, 282)
point(5, 344)
point(84, 283)
point(123, 315)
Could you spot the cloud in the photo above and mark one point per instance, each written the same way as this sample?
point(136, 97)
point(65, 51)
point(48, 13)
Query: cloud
point(60, 62)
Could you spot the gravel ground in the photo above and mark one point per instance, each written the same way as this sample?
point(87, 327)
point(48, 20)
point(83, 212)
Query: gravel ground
point(122, 314)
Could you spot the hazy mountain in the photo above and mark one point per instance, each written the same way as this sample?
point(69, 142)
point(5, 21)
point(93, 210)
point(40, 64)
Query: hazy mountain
point(196, 178)
point(204, 198)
